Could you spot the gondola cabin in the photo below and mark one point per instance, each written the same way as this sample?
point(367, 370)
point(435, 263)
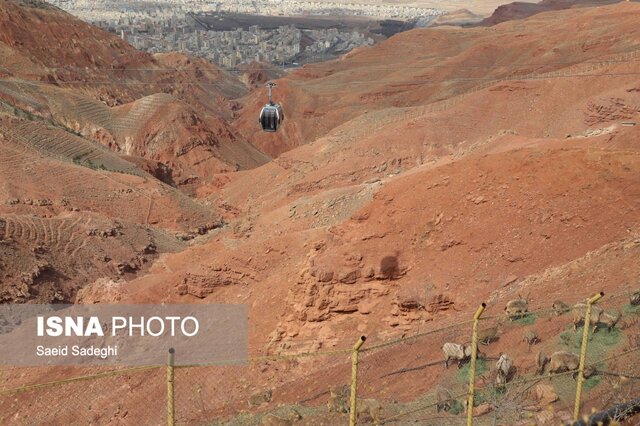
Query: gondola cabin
point(271, 115)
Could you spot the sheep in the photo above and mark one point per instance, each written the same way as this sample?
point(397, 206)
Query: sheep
point(579, 311)
point(488, 335)
point(598, 316)
point(516, 308)
point(444, 399)
point(562, 361)
point(455, 351)
point(531, 337)
point(541, 362)
point(371, 407)
point(559, 307)
point(260, 398)
point(339, 403)
point(338, 399)
point(610, 318)
point(504, 368)
point(634, 299)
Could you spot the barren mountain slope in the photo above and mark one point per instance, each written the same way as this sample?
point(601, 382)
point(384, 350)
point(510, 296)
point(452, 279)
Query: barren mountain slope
point(405, 218)
point(464, 203)
point(60, 49)
point(522, 187)
point(521, 10)
point(72, 212)
point(423, 66)
point(174, 116)
point(546, 218)
point(190, 146)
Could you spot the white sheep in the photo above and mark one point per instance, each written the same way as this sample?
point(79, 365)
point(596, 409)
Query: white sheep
point(504, 368)
point(456, 351)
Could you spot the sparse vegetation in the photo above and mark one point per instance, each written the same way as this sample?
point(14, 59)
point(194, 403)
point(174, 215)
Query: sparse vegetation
point(600, 343)
point(632, 309)
point(457, 407)
point(592, 382)
point(446, 167)
point(489, 395)
point(481, 368)
point(527, 319)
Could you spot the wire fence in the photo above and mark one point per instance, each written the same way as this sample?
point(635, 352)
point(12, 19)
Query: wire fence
point(398, 381)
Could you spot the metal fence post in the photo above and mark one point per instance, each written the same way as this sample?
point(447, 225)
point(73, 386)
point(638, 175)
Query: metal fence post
point(353, 415)
point(583, 352)
point(472, 367)
point(171, 419)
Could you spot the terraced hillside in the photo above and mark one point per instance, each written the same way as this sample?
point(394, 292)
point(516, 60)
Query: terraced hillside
point(190, 146)
point(62, 145)
point(83, 72)
point(73, 212)
point(31, 180)
point(49, 260)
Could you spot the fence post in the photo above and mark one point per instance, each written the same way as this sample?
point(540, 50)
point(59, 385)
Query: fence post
point(583, 352)
point(353, 415)
point(472, 367)
point(171, 419)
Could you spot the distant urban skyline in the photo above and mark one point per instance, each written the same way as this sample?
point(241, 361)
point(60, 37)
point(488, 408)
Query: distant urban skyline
point(165, 26)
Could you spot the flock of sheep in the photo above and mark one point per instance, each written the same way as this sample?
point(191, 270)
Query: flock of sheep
point(558, 362)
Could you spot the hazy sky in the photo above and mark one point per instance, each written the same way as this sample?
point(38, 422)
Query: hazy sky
point(484, 7)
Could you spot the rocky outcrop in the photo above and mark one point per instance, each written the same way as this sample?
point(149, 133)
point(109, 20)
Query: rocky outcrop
point(328, 287)
point(204, 283)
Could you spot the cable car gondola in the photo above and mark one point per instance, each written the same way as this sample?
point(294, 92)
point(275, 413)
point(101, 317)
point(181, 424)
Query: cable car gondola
point(271, 115)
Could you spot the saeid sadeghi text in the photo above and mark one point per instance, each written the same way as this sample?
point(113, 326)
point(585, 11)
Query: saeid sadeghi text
point(77, 351)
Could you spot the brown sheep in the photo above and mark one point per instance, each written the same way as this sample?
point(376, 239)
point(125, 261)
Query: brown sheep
point(531, 337)
point(578, 311)
point(339, 403)
point(541, 362)
point(457, 352)
point(516, 308)
point(562, 361)
point(598, 316)
point(260, 398)
point(371, 407)
point(634, 299)
point(488, 335)
point(559, 307)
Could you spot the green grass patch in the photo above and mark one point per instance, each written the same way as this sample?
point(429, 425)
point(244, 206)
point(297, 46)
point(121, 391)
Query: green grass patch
point(591, 382)
point(457, 407)
point(527, 319)
point(570, 339)
point(565, 387)
point(632, 310)
point(600, 343)
point(490, 395)
point(481, 368)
